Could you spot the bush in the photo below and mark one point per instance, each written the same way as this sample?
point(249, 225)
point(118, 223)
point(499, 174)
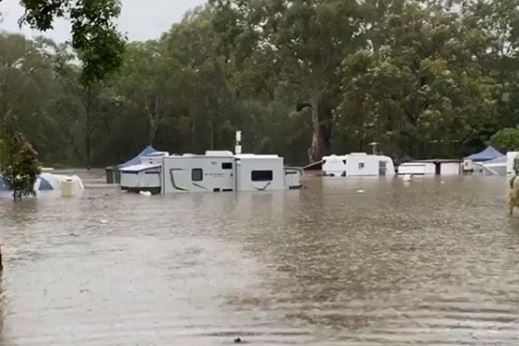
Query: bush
point(506, 139)
point(19, 166)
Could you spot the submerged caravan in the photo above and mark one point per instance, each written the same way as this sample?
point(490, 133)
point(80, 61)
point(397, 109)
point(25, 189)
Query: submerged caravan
point(215, 171)
point(357, 165)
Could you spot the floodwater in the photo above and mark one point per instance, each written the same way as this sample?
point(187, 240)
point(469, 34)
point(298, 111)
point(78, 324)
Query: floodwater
point(343, 262)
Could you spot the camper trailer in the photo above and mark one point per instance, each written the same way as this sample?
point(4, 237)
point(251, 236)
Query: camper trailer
point(225, 172)
point(358, 164)
point(431, 167)
point(144, 176)
point(216, 171)
point(417, 168)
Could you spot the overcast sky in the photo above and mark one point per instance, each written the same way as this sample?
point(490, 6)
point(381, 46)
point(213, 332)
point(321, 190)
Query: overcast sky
point(140, 19)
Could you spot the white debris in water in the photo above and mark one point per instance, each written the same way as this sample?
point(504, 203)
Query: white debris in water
point(360, 191)
point(103, 222)
point(145, 193)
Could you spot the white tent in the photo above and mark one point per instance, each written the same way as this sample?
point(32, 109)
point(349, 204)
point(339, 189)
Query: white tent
point(48, 183)
point(493, 167)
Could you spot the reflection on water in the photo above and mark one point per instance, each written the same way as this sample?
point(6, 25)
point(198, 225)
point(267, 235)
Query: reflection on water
point(343, 262)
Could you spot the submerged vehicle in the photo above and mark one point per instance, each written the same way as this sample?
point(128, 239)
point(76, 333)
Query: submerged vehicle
point(215, 171)
point(357, 164)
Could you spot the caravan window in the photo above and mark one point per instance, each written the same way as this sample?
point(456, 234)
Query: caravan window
point(227, 165)
point(262, 176)
point(362, 165)
point(197, 174)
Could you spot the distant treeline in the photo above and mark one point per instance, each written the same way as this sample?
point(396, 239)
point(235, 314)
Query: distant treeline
point(300, 78)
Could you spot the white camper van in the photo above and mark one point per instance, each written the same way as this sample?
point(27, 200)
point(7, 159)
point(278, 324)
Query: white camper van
point(358, 164)
point(216, 171)
point(225, 172)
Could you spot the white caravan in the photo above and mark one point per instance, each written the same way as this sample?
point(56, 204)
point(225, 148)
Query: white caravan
point(216, 171)
point(417, 168)
point(431, 167)
point(225, 172)
point(358, 164)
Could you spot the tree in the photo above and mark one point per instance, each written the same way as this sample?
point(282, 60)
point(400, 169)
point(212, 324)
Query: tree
point(421, 88)
point(304, 43)
point(422, 77)
point(499, 20)
point(85, 107)
point(95, 40)
point(94, 35)
point(203, 82)
point(21, 68)
point(19, 166)
point(506, 139)
point(146, 82)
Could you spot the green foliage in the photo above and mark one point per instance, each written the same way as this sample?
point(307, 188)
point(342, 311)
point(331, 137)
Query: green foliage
point(148, 83)
point(19, 166)
point(506, 139)
point(421, 77)
point(94, 34)
point(411, 91)
point(294, 47)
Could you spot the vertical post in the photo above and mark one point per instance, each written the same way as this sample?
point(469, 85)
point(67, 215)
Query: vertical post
point(238, 148)
point(1, 262)
point(374, 147)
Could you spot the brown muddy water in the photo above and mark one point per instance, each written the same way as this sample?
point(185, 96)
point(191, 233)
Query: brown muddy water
point(428, 263)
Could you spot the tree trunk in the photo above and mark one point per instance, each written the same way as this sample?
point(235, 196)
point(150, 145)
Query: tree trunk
point(152, 130)
point(193, 134)
point(317, 149)
point(154, 117)
point(88, 126)
point(212, 134)
point(87, 143)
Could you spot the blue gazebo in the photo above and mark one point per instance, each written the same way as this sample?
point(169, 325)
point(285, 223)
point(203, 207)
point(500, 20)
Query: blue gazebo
point(149, 150)
point(490, 153)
